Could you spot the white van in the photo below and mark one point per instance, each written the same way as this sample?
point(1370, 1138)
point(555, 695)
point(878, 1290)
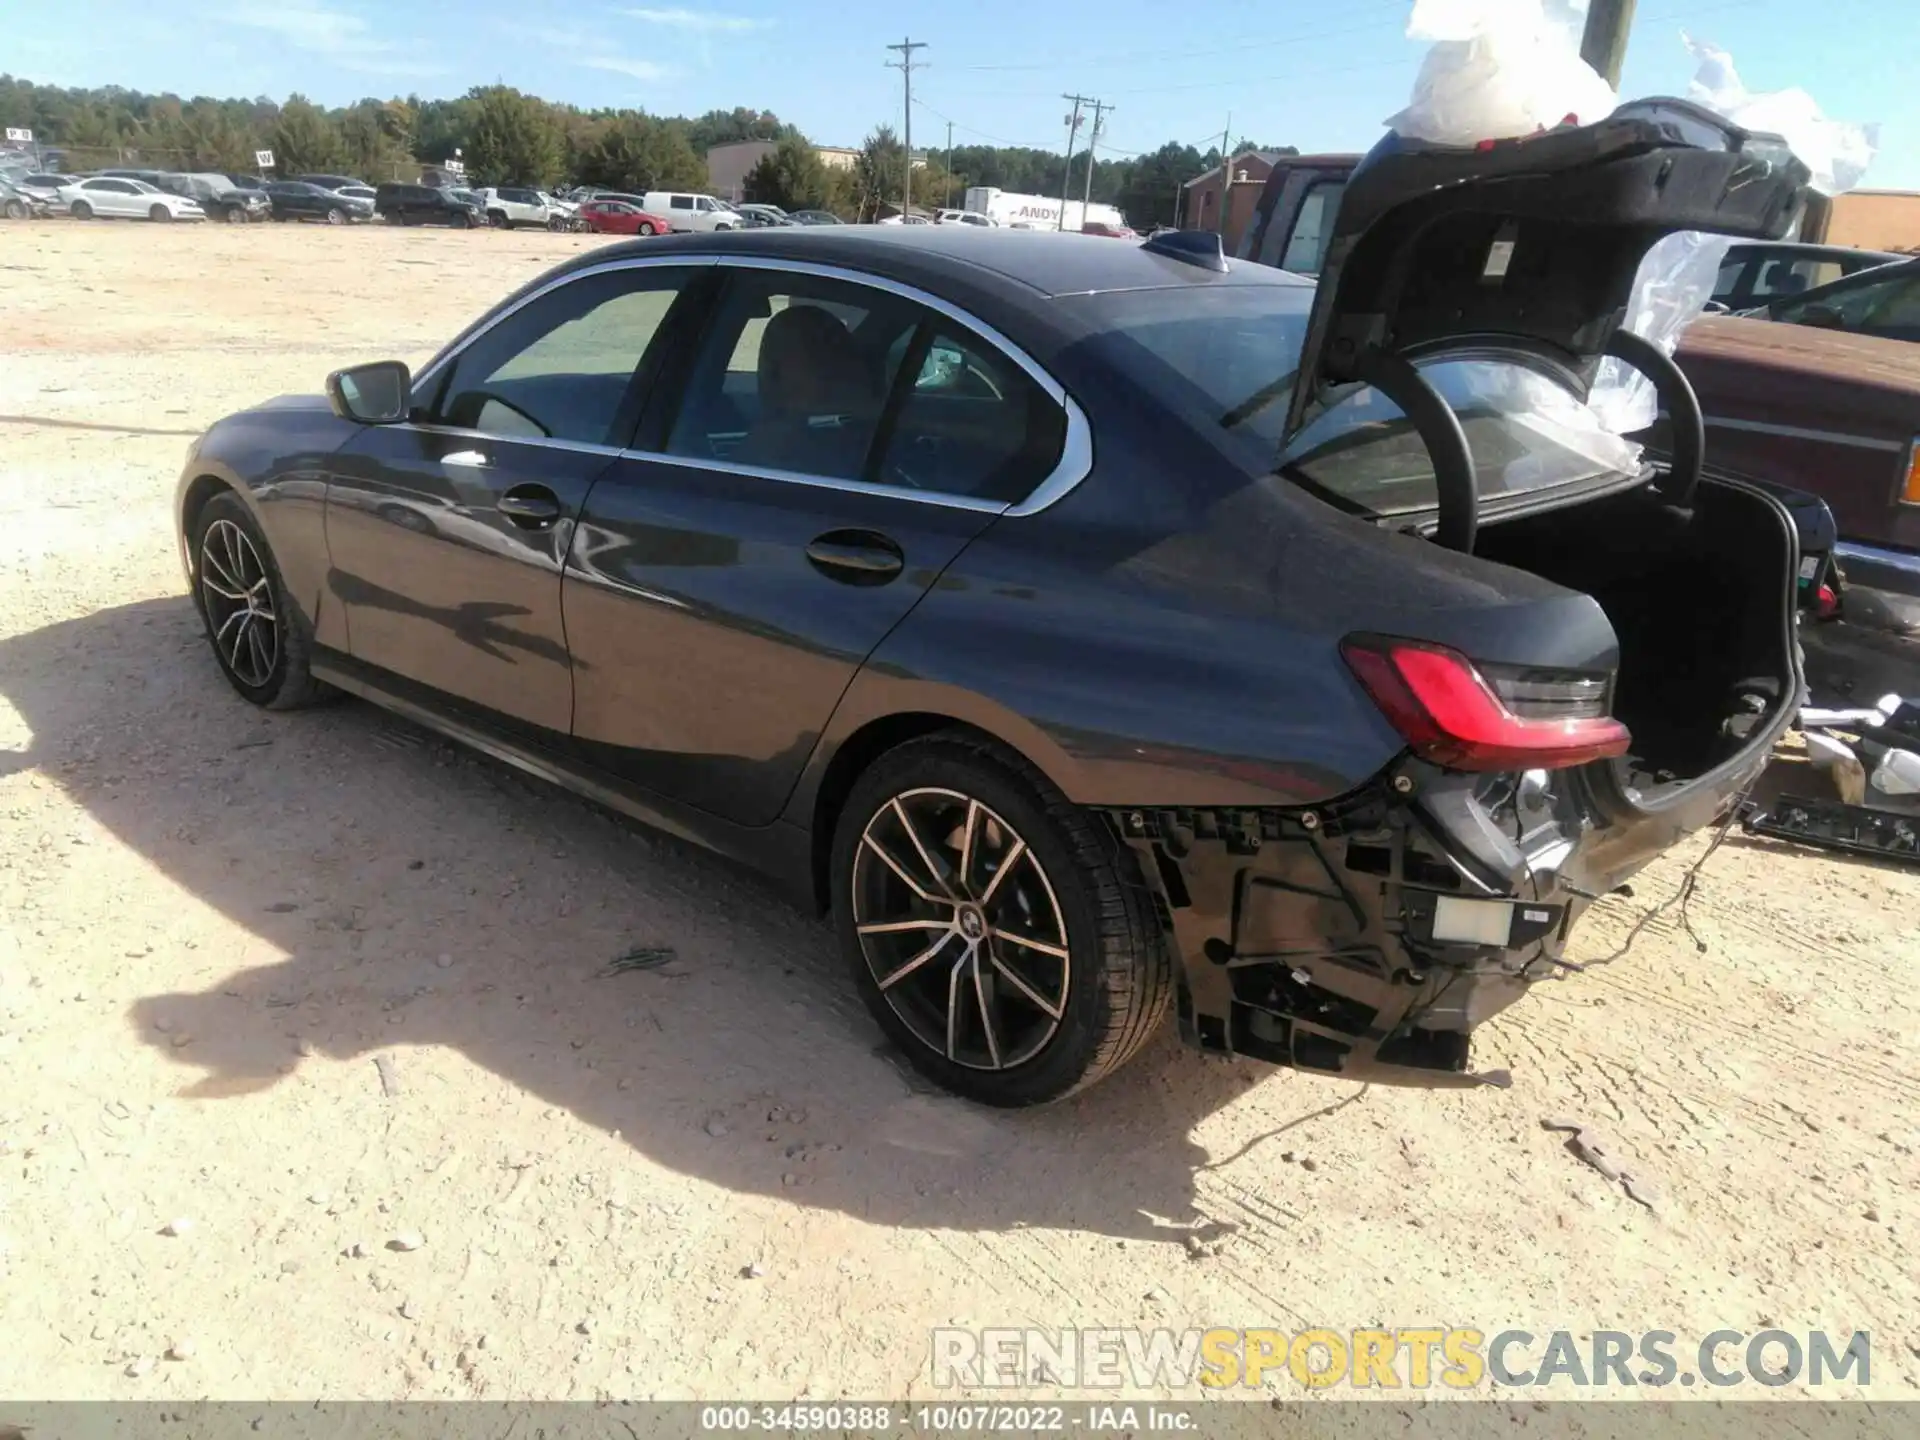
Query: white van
point(692, 212)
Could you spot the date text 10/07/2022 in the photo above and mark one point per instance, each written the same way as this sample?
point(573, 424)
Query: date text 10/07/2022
point(962, 1418)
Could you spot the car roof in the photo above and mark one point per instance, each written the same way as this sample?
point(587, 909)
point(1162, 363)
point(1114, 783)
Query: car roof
point(1808, 250)
point(1051, 264)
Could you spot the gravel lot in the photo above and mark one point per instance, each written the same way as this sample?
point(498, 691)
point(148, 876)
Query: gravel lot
point(226, 935)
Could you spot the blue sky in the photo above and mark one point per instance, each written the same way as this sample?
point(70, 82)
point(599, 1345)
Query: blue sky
point(1319, 76)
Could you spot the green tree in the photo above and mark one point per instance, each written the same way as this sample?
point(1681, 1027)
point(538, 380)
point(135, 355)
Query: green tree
point(878, 172)
point(304, 139)
point(516, 140)
point(638, 153)
point(792, 177)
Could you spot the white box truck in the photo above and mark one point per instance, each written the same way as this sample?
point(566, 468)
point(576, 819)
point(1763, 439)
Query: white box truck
point(1038, 212)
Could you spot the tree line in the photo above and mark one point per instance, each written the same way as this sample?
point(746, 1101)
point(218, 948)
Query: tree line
point(507, 137)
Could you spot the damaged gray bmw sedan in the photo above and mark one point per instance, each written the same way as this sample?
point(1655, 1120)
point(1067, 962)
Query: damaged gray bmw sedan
point(1095, 631)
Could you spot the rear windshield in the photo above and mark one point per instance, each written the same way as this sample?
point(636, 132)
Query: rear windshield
point(1227, 356)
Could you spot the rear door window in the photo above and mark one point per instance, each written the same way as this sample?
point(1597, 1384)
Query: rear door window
point(681, 202)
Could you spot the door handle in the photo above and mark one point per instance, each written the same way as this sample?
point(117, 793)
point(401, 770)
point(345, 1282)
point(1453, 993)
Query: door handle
point(473, 459)
point(532, 507)
point(856, 557)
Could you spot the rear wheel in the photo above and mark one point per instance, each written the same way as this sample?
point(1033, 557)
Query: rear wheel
point(336, 216)
point(81, 210)
point(159, 214)
point(258, 637)
point(990, 927)
point(16, 210)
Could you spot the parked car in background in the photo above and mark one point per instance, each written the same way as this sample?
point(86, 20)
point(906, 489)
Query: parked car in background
point(1824, 394)
point(114, 197)
point(1109, 230)
point(303, 200)
point(222, 199)
point(763, 216)
point(402, 204)
point(19, 204)
point(357, 192)
point(961, 217)
point(509, 207)
point(607, 216)
point(700, 214)
point(814, 217)
point(1050, 713)
point(47, 187)
point(331, 182)
point(1755, 275)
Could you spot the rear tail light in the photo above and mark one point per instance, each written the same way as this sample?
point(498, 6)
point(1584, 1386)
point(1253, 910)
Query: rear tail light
point(1471, 717)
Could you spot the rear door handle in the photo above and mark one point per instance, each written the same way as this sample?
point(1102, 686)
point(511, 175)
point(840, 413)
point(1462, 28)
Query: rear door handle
point(471, 459)
point(532, 507)
point(856, 557)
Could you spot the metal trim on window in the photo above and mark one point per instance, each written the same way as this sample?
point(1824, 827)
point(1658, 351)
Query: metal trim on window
point(1076, 450)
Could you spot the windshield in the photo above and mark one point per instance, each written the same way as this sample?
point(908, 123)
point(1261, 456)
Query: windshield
point(1226, 357)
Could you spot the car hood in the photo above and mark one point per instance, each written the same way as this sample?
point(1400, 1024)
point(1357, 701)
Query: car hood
point(1868, 360)
point(1529, 246)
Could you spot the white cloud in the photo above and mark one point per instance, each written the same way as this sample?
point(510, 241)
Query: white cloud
point(704, 21)
point(337, 35)
point(621, 65)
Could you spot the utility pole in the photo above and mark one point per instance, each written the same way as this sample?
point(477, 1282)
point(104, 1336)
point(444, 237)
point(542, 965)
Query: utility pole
point(949, 164)
point(1226, 173)
point(1093, 147)
point(1066, 178)
point(1604, 45)
point(906, 65)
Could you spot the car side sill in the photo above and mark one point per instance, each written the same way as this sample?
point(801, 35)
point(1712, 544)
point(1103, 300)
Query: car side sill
point(782, 852)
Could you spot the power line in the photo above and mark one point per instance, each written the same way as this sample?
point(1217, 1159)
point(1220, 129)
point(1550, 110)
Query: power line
point(1156, 56)
point(906, 65)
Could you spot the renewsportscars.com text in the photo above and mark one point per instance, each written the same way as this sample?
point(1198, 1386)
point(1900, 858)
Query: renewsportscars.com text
point(1414, 1358)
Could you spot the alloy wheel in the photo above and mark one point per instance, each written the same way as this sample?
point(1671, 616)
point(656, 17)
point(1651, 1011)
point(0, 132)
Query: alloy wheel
point(961, 928)
point(237, 594)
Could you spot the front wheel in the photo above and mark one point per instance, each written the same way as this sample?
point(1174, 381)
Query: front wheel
point(997, 932)
point(336, 216)
point(234, 215)
point(159, 214)
point(258, 637)
point(644, 228)
point(81, 210)
point(16, 210)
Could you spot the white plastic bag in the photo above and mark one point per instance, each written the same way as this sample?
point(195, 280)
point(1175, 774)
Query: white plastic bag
point(1499, 69)
point(1679, 275)
point(1835, 151)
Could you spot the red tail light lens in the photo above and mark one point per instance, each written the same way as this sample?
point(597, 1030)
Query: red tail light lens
point(1455, 714)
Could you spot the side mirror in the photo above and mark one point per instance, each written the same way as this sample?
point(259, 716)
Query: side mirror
point(1716, 307)
point(376, 394)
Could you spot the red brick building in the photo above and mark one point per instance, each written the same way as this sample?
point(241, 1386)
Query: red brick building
point(1200, 196)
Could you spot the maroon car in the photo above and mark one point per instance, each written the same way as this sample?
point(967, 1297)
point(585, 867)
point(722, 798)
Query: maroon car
point(1824, 394)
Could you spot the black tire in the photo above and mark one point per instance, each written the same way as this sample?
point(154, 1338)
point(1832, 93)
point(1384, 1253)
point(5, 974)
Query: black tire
point(160, 214)
point(16, 210)
point(336, 216)
point(234, 215)
point(288, 683)
point(1118, 974)
point(498, 220)
point(644, 228)
point(81, 210)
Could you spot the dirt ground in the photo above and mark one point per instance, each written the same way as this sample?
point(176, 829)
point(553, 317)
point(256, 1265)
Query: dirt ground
point(225, 935)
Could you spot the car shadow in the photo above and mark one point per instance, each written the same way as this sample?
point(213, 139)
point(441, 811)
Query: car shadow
point(424, 896)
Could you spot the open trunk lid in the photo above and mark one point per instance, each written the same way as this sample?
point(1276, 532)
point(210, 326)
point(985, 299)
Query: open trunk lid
point(1529, 249)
